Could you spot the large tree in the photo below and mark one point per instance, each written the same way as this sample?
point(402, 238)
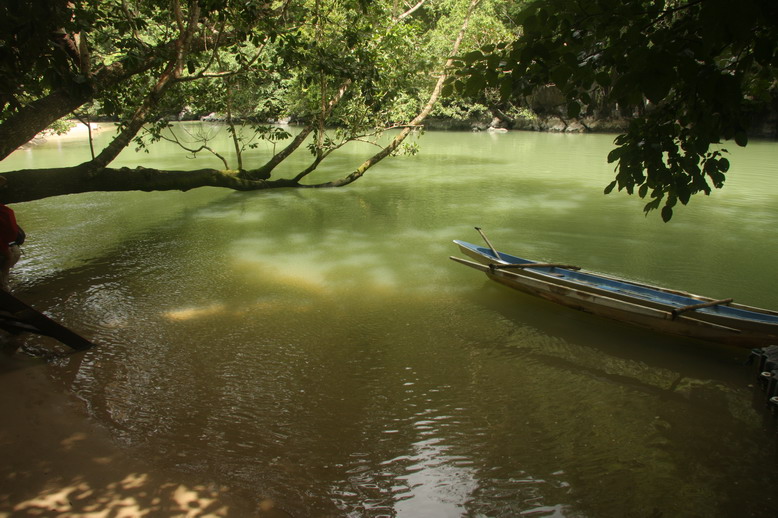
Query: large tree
point(689, 74)
point(337, 64)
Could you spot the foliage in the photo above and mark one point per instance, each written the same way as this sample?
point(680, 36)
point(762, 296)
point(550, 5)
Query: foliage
point(345, 69)
point(688, 71)
point(29, 63)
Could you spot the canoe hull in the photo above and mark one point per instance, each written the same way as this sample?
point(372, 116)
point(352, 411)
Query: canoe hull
point(566, 288)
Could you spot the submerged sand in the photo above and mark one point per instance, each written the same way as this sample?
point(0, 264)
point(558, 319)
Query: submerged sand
point(56, 461)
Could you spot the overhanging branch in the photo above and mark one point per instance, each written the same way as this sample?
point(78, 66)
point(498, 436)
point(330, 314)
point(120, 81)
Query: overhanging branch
point(34, 184)
point(392, 147)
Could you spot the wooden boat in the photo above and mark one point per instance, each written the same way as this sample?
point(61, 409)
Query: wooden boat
point(661, 309)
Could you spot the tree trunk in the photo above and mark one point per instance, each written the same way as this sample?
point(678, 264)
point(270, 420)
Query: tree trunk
point(22, 126)
point(34, 184)
point(28, 185)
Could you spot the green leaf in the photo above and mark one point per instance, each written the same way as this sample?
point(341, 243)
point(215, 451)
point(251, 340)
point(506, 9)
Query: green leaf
point(493, 62)
point(684, 193)
point(531, 23)
point(610, 187)
point(652, 205)
point(491, 77)
point(741, 138)
point(667, 213)
point(506, 87)
point(560, 75)
point(718, 178)
point(614, 155)
point(656, 87)
point(472, 57)
point(475, 84)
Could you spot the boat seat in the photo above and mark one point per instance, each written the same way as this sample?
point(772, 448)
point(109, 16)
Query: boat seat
point(678, 311)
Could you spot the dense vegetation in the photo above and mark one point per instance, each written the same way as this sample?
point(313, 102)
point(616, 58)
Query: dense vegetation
point(690, 74)
point(356, 66)
point(686, 73)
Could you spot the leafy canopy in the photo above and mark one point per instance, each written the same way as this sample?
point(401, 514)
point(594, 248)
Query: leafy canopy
point(688, 72)
point(346, 70)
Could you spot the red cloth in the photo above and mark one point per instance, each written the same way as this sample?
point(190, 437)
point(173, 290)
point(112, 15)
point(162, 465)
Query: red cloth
point(8, 227)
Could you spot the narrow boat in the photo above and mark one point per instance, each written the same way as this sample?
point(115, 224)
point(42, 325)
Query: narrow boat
point(660, 309)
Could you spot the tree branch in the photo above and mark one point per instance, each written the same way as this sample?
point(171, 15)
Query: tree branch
point(267, 169)
point(22, 126)
point(388, 150)
point(33, 184)
point(205, 146)
point(140, 117)
point(409, 11)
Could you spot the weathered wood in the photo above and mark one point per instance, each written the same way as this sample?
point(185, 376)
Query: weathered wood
point(732, 329)
point(489, 243)
point(17, 317)
point(570, 281)
point(692, 307)
point(534, 265)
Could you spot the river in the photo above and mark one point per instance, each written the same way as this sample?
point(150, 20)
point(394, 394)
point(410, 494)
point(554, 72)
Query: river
point(318, 347)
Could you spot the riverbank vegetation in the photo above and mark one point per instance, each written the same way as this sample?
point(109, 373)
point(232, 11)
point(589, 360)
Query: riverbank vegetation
point(347, 70)
point(686, 75)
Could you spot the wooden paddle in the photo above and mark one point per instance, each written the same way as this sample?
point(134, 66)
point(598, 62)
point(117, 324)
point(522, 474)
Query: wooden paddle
point(523, 265)
point(678, 311)
point(494, 251)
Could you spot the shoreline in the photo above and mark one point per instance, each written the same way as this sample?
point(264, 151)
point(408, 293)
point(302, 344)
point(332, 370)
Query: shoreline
point(79, 131)
point(57, 461)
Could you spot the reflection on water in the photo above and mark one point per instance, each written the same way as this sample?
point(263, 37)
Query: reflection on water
point(318, 347)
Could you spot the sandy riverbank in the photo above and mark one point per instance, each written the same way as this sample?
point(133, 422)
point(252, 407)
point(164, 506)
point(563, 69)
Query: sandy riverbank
point(79, 131)
point(57, 462)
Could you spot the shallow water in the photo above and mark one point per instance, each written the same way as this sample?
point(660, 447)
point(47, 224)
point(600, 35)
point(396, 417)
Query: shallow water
point(319, 348)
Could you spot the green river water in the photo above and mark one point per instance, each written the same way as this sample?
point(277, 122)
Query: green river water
point(318, 347)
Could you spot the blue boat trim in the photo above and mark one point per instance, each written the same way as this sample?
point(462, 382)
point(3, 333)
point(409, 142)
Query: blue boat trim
point(624, 287)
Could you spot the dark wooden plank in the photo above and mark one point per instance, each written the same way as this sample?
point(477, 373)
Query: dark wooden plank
point(16, 316)
point(534, 265)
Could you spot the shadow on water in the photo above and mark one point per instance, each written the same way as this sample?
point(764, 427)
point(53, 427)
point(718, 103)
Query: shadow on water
point(324, 352)
point(579, 343)
point(695, 393)
point(608, 336)
point(71, 468)
point(382, 401)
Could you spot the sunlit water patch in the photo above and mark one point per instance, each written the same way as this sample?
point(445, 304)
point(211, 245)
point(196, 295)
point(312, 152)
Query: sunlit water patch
point(319, 348)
